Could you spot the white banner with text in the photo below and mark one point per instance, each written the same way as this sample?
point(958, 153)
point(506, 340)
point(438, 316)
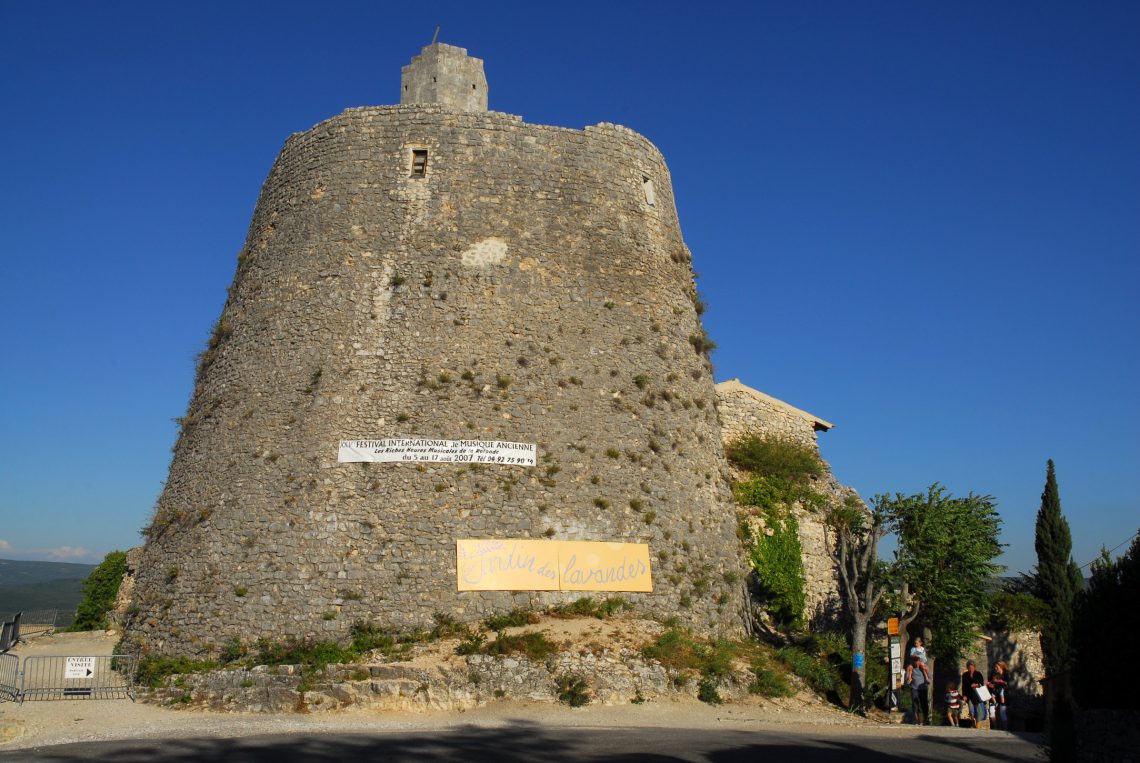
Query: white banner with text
point(442, 451)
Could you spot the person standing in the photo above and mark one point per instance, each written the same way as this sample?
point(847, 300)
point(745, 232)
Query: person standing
point(918, 676)
point(972, 680)
point(999, 682)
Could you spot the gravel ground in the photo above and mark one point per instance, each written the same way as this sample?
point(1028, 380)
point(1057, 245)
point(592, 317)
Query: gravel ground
point(39, 723)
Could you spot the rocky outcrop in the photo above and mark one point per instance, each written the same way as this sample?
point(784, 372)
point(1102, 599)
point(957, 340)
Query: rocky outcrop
point(125, 595)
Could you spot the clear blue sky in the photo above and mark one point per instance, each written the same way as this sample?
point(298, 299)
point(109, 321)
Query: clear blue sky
point(918, 220)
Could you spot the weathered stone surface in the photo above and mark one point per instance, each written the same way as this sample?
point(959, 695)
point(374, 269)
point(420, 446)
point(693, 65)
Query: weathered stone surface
point(744, 410)
point(445, 74)
point(515, 292)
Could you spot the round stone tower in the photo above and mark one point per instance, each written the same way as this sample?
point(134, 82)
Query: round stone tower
point(435, 270)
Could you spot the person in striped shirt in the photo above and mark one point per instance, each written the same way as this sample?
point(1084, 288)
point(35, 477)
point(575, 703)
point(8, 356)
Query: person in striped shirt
point(953, 703)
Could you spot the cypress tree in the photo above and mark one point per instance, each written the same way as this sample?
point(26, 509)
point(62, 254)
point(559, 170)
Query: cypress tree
point(1058, 578)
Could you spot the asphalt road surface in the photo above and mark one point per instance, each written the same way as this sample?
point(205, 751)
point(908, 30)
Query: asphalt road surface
point(532, 742)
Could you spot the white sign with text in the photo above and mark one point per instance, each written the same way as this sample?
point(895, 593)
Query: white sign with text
point(441, 451)
point(79, 667)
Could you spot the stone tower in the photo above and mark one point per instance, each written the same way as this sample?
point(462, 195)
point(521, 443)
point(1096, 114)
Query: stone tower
point(445, 74)
point(434, 270)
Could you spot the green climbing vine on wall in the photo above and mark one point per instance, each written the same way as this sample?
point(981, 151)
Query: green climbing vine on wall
point(779, 476)
point(776, 556)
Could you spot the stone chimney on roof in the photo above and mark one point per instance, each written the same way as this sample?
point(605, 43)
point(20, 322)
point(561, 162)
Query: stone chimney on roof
point(446, 75)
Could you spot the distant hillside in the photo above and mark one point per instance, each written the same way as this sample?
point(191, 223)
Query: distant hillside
point(18, 573)
point(63, 595)
point(25, 586)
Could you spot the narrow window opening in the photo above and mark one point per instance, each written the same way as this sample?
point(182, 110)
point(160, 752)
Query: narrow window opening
point(419, 162)
point(405, 88)
point(650, 194)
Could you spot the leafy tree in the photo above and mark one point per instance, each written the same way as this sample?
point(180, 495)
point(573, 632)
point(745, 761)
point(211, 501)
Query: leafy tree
point(99, 592)
point(942, 567)
point(945, 561)
point(1107, 619)
point(1058, 579)
point(852, 536)
point(1014, 610)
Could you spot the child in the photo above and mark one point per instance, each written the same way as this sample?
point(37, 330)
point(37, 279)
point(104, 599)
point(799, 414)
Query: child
point(918, 650)
point(953, 703)
point(999, 681)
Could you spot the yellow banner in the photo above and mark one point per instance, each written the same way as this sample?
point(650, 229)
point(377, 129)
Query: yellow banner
point(591, 566)
point(551, 565)
point(506, 565)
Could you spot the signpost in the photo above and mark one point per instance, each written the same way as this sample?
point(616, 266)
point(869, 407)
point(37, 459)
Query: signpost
point(894, 649)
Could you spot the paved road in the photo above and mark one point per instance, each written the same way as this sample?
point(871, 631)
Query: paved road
point(531, 742)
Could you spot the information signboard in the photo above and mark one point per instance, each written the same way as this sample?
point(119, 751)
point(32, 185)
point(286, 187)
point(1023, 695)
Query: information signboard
point(895, 650)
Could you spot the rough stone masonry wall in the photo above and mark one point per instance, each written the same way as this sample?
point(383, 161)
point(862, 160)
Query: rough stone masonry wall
point(1021, 651)
point(445, 74)
point(743, 412)
point(514, 293)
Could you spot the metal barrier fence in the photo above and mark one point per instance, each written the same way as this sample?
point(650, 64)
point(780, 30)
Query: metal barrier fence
point(35, 621)
point(9, 676)
point(94, 677)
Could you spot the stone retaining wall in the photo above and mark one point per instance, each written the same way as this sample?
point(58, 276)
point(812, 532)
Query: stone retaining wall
point(614, 677)
point(1107, 736)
